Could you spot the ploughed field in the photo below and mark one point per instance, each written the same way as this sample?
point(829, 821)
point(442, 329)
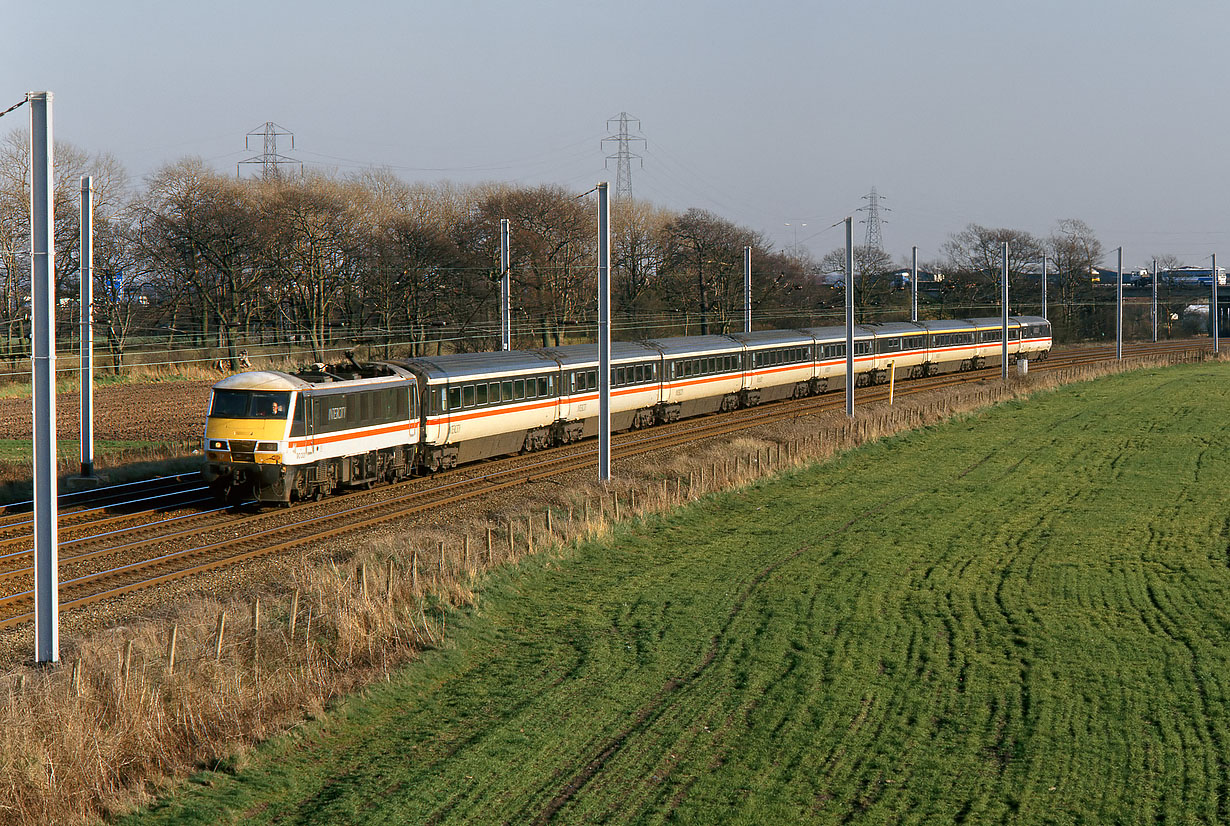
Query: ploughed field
point(169, 411)
point(1018, 616)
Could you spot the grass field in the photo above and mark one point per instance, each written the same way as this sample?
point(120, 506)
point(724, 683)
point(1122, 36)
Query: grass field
point(21, 451)
point(1020, 616)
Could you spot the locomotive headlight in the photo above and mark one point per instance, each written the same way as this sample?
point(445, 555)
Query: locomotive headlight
point(218, 444)
point(267, 447)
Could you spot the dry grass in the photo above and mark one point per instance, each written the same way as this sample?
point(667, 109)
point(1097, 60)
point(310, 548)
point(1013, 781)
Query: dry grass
point(103, 732)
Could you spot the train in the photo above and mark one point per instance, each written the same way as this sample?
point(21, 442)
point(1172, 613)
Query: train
point(280, 437)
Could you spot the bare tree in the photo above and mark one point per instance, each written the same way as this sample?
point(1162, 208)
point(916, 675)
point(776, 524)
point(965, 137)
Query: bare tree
point(873, 276)
point(974, 260)
point(1076, 251)
point(201, 227)
point(553, 253)
point(703, 267)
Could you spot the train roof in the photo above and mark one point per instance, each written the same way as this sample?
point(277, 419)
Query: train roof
point(836, 333)
point(948, 325)
point(476, 365)
point(896, 328)
point(693, 345)
point(261, 380)
point(772, 338)
point(575, 355)
point(994, 321)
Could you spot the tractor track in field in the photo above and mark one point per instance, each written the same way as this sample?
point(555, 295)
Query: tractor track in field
point(651, 711)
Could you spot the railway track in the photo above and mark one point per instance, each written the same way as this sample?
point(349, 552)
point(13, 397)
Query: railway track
point(97, 566)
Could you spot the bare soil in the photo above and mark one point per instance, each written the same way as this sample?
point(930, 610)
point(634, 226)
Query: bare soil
point(160, 412)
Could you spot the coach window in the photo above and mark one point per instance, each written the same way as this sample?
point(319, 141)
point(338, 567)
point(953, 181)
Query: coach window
point(620, 375)
point(467, 396)
point(454, 399)
point(638, 374)
point(480, 394)
point(519, 388)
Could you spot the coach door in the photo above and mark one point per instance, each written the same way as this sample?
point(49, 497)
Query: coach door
point(302, 427)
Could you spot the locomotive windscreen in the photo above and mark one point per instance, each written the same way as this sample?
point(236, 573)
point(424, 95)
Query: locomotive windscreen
point(250, 404)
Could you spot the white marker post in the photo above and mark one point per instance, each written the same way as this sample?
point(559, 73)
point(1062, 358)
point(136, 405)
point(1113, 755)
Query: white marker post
point(46, 539)
point(604, 333)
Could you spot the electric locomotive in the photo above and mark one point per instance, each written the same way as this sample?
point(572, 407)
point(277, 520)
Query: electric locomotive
point(282, 437)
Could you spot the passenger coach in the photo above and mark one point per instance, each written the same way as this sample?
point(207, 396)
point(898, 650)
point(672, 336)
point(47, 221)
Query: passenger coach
point(284, 437)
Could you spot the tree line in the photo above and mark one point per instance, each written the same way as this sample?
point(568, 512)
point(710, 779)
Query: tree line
point(194, 256)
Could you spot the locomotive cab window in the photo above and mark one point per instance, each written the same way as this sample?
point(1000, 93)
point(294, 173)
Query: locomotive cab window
point(250, 404)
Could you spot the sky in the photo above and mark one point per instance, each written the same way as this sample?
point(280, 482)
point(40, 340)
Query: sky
point(780, 115)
